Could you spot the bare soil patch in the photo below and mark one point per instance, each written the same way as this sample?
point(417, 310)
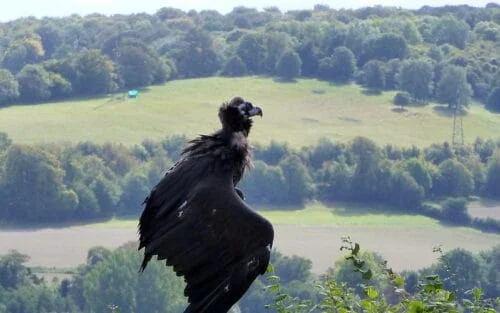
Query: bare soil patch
point(485, 208)
point(403, 247)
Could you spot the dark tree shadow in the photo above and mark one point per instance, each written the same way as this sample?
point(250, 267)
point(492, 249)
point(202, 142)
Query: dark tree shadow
point(443, 110)
point(361, 208)
point(399, 110)
point(371, 92)
point(318, 91)
point(36, 226)
point(488, 202)
point(310, 120)
point(119, 95)
point(350, 119)
point(146, 89)
point(277, 207)
point(338, 83)
point(284, 80)
point(490, 110)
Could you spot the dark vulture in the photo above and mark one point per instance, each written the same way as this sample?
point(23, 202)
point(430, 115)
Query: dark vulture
point(196, 219)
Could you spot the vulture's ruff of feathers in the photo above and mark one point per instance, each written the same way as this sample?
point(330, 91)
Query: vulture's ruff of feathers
point(196, 219)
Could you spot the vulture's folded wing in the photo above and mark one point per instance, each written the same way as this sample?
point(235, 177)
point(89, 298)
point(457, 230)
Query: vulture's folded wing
point(211, 237)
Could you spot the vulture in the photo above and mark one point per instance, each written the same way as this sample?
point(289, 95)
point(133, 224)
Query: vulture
point(196, 219)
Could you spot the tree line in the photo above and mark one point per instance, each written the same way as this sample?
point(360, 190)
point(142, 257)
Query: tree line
point(53, 183)
point(445, 54)
point(109, 282)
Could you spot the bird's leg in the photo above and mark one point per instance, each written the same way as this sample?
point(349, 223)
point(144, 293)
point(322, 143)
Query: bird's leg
point(240, 193)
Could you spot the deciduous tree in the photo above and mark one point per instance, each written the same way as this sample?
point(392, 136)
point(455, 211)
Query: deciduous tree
point(289, 65)
point(96, 73)
point(34, 83)
point(453, 88)
point(416, 77)
point(9, 87)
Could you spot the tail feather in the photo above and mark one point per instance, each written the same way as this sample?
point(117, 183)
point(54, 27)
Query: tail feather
point(145, 261)
point(213, 302)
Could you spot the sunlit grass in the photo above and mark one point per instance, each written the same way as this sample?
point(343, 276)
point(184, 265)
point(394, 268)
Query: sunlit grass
point(321, 215)
point(298, 113)
point(318, 214)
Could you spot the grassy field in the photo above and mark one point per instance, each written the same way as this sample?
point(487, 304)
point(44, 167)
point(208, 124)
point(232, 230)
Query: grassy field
point(405, 241)
point(317, 214)
point(298, 113)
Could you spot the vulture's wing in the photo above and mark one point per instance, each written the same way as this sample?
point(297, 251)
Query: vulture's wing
point(208, 234)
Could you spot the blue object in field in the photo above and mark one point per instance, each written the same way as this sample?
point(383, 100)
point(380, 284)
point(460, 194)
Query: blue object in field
point(133, 93)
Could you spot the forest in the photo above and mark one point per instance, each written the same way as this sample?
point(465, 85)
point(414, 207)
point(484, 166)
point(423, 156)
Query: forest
point(55, 183)
point(428, 54)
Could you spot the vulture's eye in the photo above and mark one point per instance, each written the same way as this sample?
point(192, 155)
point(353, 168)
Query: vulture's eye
point(245, 107)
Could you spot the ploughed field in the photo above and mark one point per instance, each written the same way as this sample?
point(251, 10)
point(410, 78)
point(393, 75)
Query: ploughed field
point(485, 208)
point(405, 241)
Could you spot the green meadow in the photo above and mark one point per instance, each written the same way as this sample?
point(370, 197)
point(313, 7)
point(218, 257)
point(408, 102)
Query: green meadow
point(317, 214)
point(298, 113)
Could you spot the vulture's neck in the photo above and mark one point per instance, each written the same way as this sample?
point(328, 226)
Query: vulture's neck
point(229, 150)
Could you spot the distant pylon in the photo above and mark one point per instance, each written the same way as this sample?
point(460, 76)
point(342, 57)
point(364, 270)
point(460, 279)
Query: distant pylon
point(458, 127)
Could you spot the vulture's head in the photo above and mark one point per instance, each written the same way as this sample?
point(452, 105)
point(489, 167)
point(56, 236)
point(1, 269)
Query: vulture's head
point(236, 115)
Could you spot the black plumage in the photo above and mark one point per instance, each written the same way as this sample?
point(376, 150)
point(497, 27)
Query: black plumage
point(196, 219)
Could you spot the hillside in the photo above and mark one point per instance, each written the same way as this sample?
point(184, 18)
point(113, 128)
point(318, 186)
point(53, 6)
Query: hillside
point(298, 113)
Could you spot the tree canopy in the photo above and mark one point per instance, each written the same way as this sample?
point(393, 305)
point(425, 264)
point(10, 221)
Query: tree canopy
point(99, 54)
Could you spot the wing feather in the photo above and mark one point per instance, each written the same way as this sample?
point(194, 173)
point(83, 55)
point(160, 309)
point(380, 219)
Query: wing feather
point(207, 233)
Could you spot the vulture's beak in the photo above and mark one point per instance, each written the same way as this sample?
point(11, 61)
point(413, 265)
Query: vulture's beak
point(255, 111)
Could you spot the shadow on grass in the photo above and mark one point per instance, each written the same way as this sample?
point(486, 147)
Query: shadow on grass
point(120, 95)
point(267, 207)
point(310, 120)
point(284, 80)
point(349, 119)
point(59, 225)
point(318, 91)
point(491, 110)
point(399, 110)
point(445, 111)
point(487, 203)
point(371, 92)
point(362, 208)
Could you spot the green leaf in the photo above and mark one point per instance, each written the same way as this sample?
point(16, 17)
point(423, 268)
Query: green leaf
point(416, 307)
point(281, 297)
point(367, 275)
point(273, 288)
point(432, 277)
point(371, 292)
point(359, 263)
point(467, 303)
point(367, 305)
point(356, 249)
point(270, 268)
point(273, 278)
point(450, 296)
point(478, 293)
point(398, 281)
point(430, 288)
